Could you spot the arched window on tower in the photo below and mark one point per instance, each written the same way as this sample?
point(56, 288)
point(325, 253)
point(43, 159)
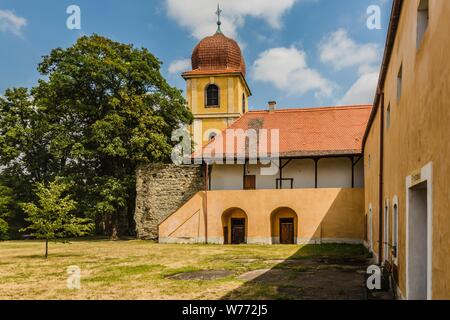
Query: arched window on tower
point(243, 103)
point(212, 96)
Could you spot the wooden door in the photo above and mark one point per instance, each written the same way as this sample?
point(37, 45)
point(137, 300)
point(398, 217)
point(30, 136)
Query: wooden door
point(237, 231)
point(249, 182)
point(287, 231)
point(225, 235)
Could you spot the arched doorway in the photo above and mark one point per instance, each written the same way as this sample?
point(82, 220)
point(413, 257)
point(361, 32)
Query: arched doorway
point(235, 226)
point(284, 225)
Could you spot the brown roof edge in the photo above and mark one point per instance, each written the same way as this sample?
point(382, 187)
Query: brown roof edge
point(390, 40)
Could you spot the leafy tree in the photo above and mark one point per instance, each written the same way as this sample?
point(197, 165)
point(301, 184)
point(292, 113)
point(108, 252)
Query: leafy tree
point(6, 199)
point(53, 217)
point(102, 108)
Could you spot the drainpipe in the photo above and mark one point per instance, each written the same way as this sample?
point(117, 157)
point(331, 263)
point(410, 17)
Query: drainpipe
point(380, 219)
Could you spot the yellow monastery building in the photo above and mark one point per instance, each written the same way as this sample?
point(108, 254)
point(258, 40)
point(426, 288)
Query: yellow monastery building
point(376, 174)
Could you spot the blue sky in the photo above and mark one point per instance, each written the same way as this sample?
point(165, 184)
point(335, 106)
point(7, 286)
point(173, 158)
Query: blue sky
point(301, 53)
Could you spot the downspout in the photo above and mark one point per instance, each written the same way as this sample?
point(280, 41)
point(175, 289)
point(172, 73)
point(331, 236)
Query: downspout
point(380, 219)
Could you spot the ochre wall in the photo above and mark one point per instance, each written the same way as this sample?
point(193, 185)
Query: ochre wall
point(371, 182)
point(327, 215)
point(232, 87)
point(418, 133)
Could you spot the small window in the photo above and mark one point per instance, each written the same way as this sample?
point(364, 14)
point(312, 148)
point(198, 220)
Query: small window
point(399, 83)
point(212, 136)
point(423, 17)
point(388, 117)
point(243, 103)
point(212, 96)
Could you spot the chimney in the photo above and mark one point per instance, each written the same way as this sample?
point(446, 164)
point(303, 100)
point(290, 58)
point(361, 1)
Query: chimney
point(272, 106)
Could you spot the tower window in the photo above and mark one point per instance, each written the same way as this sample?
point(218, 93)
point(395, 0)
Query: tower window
point(243, 103)
point(423, 17)
point(212, 96)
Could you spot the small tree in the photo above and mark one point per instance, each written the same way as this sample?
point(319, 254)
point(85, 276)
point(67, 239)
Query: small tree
point(53, 219)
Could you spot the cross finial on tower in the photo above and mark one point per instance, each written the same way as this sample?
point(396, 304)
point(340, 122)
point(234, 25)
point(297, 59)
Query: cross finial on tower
point(219, 23)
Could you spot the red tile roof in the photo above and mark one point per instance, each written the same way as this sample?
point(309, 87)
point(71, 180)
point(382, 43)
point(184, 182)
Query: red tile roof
point(307, 132)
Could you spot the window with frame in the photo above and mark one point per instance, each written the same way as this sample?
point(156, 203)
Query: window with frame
point(395, 230)
point(423, 17)
point(388, 117)
point(212, 96)
point(399, 82)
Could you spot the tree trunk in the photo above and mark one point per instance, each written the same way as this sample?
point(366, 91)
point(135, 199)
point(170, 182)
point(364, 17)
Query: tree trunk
point(114, 233)
point(46, 248)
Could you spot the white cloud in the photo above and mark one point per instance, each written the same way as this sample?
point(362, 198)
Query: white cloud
point(342, 52)
point(179, 66)
point(198, 16)
point(9, 22)
point(362, 91)
point(287, 70)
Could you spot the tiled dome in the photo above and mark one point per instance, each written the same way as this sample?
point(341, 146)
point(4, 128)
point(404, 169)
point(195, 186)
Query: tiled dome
point(218, 53)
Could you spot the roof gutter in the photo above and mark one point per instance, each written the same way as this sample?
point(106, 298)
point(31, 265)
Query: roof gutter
point(392, 32)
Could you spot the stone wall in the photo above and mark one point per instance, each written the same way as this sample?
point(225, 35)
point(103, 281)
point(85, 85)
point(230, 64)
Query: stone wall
point(161, 190)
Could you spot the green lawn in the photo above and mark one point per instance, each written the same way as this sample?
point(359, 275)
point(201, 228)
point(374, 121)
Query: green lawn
point(142, 270)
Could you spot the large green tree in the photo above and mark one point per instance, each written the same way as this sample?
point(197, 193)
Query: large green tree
point(6, 200)
point(101, 108)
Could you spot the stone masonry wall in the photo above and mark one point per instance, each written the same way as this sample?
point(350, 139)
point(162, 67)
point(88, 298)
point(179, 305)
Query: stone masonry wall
point(161, 190)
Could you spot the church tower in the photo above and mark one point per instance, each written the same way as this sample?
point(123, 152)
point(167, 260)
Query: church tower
point(217, 91)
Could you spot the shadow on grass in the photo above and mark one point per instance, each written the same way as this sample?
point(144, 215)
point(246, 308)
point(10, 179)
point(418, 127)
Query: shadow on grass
point(314, 272)
point(50, 256)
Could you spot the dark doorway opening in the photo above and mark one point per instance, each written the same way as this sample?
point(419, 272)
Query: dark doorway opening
point(238, 231)
point(287, 231)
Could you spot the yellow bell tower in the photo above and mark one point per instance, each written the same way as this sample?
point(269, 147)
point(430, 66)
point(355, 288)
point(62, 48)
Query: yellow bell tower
point(217, 91)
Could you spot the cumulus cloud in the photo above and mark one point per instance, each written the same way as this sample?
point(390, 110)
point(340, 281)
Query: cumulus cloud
point(362, 91)
point(339, 50)
point(179, 66)
point(9, 22)
point(287, 70)
point(198, 16)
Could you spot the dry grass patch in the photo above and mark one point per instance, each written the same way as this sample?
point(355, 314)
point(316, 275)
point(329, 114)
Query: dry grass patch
point(141, 270)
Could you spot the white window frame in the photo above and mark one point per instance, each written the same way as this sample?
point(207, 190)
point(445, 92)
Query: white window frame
point(386, 231)
point(426, 175)
point(423, 21)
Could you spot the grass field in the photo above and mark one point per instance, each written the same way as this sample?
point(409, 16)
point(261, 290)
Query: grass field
point(142, 270)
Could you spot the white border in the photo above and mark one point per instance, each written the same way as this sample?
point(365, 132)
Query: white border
point(426, 175)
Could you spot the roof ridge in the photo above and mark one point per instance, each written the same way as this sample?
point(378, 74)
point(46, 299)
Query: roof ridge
point(312, 109)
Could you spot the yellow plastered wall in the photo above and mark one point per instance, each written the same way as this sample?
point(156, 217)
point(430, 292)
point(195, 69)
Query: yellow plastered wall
point(418, 133)
point(328, 215)
point(232, 89)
